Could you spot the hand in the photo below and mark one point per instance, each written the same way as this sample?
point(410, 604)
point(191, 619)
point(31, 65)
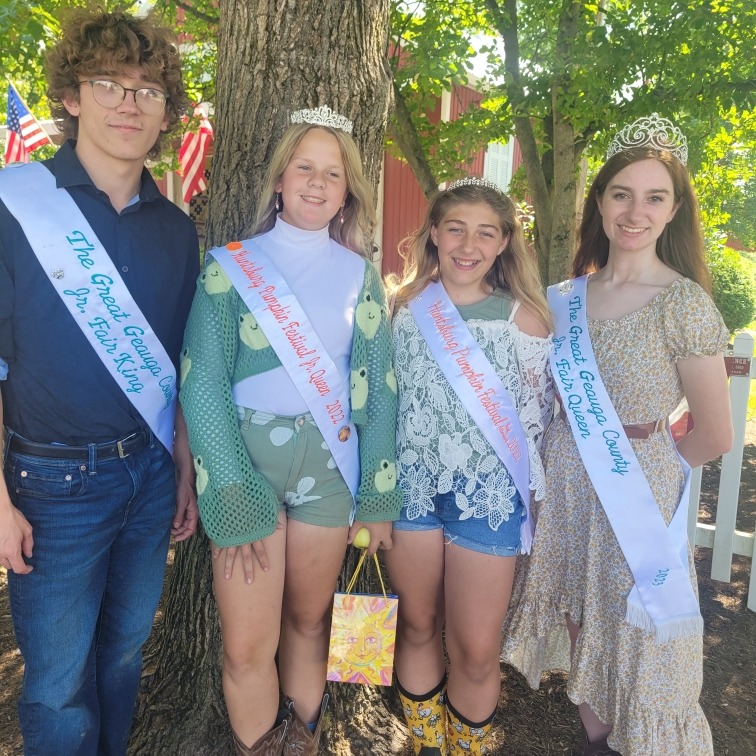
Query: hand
point(245, 551)
point(187, 515)
point(16, 540)
point(380, 535)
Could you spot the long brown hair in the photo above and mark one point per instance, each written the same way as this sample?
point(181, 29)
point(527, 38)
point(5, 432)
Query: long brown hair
point(356, 231)
point(681, 244)
point(514, 270)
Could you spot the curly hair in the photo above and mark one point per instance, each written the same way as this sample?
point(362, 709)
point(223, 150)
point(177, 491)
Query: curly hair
point(680, 245)
point(106, 44)
point(355, 232)
point(514, 270)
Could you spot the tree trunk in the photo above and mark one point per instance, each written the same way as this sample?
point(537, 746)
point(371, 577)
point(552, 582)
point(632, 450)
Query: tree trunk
point(406, 137)
point(565, 155)
point(504, 16)
point(273, 58)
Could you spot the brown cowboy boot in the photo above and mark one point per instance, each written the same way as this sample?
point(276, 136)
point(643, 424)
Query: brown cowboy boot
point(299, 740)
point(270, 744)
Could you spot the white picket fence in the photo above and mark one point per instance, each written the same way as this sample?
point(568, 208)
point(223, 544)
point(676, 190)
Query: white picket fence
point(722, 537)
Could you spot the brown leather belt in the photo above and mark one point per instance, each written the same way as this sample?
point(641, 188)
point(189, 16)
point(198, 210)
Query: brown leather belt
point(640, 430)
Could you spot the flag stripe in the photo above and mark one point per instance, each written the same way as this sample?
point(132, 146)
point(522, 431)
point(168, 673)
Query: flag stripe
point(194, 148)
point(23, 133)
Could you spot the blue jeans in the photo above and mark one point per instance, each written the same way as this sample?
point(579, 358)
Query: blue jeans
point(81, 617)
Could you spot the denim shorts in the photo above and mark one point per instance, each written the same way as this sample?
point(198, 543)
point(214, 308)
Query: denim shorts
point(292, 455)
point(474, 533)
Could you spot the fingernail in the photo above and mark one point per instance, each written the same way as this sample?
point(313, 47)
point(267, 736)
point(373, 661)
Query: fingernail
point(249, 581)
point(228, 576)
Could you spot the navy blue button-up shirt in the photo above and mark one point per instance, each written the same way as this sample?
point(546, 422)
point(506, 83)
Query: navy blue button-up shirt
point(57, 389)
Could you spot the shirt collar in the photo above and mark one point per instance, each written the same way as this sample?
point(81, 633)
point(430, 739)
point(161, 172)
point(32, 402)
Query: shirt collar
point(70, 172)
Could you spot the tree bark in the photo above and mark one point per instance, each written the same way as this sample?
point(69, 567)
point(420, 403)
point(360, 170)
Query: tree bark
point(273, 58)
point(566, 159)
point(405, 135)
point(552, 171)
point(505, 20)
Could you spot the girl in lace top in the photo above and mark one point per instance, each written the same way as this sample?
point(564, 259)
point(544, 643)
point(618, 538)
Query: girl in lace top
point(459, 530)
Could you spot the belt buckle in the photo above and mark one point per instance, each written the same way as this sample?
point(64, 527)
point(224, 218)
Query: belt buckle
point(119, 445)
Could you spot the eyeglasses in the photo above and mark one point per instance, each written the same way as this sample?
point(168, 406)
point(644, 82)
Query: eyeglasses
point(110, 94)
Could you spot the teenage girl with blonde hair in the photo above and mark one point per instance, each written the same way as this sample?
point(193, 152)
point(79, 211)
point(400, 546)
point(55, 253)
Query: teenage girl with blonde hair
point(471, 348)
point(287, 367)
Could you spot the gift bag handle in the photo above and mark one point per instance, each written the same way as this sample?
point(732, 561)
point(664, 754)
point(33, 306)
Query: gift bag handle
point(357, 572)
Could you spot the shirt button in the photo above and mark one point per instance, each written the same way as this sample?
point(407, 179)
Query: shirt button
point(68, 477)
point(125, 268)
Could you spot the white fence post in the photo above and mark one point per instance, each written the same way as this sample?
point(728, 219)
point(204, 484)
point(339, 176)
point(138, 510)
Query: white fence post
point(732, 465)
point(694, 501)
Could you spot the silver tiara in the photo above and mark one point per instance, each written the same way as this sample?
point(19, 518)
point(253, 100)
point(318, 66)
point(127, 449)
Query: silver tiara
point(651, 131)
point(323, 116)
point(472, 181)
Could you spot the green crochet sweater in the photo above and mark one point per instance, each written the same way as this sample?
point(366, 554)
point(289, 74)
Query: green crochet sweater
point(237, 505)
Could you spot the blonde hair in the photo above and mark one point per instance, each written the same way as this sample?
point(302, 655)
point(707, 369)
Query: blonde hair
point(514, 270)
point(356, 231)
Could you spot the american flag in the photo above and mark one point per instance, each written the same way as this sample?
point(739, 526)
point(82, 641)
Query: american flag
point(23, 134)
point(194, 147)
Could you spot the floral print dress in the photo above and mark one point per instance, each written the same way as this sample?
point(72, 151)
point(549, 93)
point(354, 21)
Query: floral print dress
point(648, 692)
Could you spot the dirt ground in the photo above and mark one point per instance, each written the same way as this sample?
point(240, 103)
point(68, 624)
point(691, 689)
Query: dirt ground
point(545, 723)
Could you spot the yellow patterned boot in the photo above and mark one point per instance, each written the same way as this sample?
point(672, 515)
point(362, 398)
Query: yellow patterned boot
point(426, 719)
point(463, 736)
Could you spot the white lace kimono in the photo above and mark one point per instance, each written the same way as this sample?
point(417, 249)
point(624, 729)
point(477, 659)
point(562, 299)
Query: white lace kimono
point(439, 447)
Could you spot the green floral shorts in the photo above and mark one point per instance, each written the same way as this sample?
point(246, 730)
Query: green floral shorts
point(292, 455)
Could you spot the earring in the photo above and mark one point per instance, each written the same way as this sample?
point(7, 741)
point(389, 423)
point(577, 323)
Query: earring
point(341, 215)
point(277, 203)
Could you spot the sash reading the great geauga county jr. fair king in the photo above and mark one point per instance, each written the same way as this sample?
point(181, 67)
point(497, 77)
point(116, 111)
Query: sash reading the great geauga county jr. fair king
point(662, 599)
point(479, 388)
point(89, 285)
point(298, 347)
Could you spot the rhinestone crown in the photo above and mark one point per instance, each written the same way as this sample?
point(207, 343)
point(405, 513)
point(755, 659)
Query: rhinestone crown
point(323, 116)
point(472, 181)
point(651, 131)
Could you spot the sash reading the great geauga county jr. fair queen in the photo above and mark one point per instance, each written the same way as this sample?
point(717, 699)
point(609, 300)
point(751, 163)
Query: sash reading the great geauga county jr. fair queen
point(662, 599)
point(298, 347)
point(87, 281)
point(478, 387)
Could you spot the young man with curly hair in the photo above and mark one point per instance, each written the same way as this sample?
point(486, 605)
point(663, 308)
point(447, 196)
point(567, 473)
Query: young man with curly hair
point(97, 273)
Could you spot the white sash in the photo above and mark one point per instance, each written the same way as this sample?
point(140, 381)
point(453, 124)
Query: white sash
point(478, 387)
point(662, 599)
point(298, 347)
point(88, 282)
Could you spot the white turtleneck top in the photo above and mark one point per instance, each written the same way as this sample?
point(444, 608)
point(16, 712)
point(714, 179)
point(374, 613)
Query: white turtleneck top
point(326, 279)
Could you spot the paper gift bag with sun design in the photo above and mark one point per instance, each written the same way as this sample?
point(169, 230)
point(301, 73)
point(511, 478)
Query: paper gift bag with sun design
point(363, 634)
